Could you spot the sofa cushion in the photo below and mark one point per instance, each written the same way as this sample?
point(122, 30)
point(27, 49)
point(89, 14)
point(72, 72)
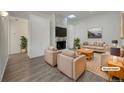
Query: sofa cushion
point(69, 53)
point(95, 43)
point(85, 46)
point(91, 43)
point(100, 47)
point(101, 44)
point(85, 43)
point(93, 47)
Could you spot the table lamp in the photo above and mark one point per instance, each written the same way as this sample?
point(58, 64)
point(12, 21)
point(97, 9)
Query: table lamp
point(115, 52)
point(114, 42)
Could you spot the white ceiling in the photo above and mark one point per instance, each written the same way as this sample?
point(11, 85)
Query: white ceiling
point(79, 14)
point(63, 14)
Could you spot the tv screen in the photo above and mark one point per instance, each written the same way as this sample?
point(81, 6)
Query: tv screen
point(61, 32)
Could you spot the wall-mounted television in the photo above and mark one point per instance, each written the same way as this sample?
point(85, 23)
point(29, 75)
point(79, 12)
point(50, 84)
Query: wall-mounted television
point(61, 32)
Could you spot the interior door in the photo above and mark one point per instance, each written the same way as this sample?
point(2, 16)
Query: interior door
point(39, 35)
point(13, 38)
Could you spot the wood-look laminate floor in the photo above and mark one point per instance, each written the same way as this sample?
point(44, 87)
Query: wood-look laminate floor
point(22, 69)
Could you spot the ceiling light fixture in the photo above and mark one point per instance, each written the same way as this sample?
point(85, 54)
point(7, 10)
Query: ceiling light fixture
point(3, 13)
point(71, 16)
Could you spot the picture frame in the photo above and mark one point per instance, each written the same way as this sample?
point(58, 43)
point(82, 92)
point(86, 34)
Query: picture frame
point(95, 32)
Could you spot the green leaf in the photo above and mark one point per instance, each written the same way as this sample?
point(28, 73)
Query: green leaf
point(77, 43)
point(23, 44)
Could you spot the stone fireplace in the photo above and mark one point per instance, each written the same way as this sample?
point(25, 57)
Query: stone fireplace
point(61, 44)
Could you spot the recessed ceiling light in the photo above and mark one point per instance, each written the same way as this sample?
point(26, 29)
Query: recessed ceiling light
point(4, 13)
point(71, 16)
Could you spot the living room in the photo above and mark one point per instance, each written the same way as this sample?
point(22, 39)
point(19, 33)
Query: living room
point(94, 33)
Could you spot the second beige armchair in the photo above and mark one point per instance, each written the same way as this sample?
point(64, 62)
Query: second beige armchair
point(70, 65)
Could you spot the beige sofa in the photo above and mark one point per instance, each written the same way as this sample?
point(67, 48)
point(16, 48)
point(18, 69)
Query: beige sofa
point(70, 64)
point(51, 56)
point(96, 46)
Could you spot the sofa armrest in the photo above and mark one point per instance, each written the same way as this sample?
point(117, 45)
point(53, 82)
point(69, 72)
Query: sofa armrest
point(79, 65)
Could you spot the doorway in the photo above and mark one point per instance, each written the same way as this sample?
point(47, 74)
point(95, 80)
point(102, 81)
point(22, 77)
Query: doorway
point(17, 27)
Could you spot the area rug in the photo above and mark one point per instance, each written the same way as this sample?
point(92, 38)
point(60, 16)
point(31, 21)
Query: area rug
point(94, 66)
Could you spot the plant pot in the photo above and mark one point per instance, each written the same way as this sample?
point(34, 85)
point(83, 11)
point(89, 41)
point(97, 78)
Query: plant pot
point(23, 50)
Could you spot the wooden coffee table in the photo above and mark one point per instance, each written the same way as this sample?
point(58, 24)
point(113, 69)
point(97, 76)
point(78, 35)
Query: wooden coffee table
point(88, 52)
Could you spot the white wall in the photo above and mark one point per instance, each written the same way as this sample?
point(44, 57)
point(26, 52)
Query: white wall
point(60, 21)
point(110, 23)
point(3, 44)
point(70, 35)
point(39, 35)
point(18, 27)
point(52, 30)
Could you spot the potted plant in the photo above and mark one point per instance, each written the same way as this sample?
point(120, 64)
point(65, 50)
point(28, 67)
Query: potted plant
point(76, 43)
point(23, 44)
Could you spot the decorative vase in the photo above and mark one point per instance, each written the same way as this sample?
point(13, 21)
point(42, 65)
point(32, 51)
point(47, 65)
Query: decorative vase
point(23, 50)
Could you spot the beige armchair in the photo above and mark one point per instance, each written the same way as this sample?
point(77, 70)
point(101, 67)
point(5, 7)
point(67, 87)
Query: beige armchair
point(51, 56)
point(106, 57)
point(71, 66)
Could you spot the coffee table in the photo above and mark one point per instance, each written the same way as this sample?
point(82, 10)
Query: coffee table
point(88, 52)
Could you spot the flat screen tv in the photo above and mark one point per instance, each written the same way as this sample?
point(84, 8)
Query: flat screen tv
point(61, 32)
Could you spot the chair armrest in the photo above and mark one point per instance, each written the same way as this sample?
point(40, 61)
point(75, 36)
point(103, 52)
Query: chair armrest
point(52, 52)
point(59, 51)
point(80, 58)
point(50, 57)
point(79, 65)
